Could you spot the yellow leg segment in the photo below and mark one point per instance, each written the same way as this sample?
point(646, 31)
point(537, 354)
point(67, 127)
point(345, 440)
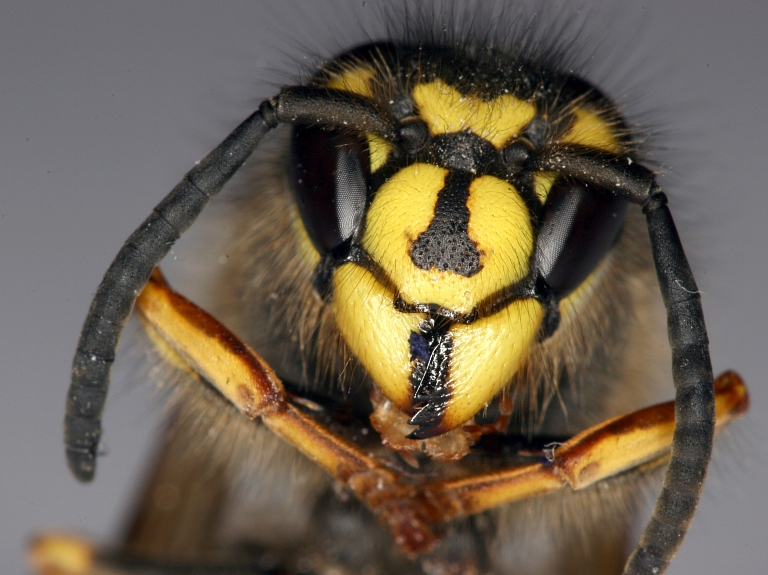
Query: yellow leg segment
point(600, 452)
point(409, 508)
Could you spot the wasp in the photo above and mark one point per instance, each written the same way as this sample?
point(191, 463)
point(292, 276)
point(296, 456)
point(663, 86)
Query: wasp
point(430, 354)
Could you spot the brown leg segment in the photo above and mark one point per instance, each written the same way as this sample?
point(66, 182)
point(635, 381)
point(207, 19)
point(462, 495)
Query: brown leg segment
point(410, 509)
point(245, 380)
point(607, 449)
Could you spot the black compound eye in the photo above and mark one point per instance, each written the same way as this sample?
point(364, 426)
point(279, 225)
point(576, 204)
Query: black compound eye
point(580, 224)
point(330, 170)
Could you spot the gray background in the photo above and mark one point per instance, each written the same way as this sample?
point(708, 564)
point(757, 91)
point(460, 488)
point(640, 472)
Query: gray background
point(104, 105)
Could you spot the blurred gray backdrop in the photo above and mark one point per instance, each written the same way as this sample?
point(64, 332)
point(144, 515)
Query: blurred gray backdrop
point(105, 105)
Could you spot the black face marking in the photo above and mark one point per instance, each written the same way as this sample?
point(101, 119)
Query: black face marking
point(431, 350)
point(446, 244)
point(463, 151)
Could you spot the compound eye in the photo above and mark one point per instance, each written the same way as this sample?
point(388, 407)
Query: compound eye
point(580, 224)
point(330, 170)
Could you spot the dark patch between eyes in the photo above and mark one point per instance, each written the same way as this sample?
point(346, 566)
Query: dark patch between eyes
point(446, 244)
point(431, 350)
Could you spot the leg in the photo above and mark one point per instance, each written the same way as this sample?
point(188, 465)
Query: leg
point(410, 511)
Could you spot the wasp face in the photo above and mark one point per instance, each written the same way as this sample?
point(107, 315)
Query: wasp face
point(451, 219)
point(445, 254)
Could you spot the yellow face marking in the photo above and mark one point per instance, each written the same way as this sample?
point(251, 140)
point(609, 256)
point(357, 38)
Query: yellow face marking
point(446, 110)
point(542, 184)
point(498, 222)
point(378, 149)
point(591, 130)
point(486, 355)
point(376, 333)
point(356, 80)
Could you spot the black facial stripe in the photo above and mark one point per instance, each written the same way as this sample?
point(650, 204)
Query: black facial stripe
point(463, 151)
point(431, 350)
point(446, 244)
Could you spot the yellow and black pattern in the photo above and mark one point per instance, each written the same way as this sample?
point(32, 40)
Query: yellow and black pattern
point(462, 250)
point(437, 252)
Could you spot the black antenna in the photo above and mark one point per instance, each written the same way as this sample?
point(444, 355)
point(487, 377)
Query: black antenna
point(691, 365)
point(143, 250)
